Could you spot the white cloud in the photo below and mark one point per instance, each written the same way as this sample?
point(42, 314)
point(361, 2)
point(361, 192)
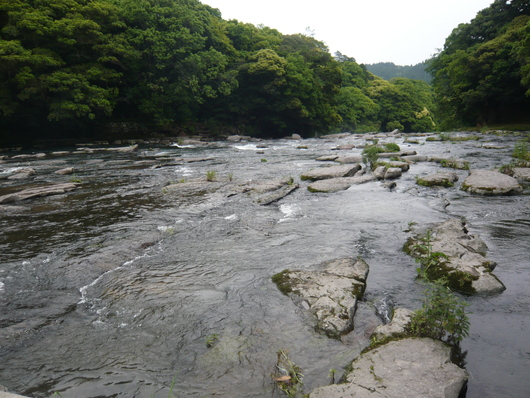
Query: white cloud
point(401, 31)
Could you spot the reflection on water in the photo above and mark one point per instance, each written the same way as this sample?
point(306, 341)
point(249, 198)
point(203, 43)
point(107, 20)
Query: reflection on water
point(113, 290)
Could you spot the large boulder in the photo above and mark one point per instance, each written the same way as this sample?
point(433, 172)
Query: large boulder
point(487, 182)
point(323, 173)
point(330, 293)
point(463, 260)
point(414, 368)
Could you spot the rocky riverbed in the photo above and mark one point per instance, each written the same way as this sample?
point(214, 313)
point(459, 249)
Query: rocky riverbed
point(127, 268)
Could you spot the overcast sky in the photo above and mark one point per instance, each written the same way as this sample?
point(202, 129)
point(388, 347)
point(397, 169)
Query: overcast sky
point(405, 32)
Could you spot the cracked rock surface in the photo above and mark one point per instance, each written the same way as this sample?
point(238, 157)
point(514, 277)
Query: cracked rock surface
point(410, 367)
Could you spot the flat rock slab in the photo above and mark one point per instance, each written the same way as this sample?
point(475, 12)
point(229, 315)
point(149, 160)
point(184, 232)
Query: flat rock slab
point(339, 184)
point(330, 293)
point(442, 179)
point(323, 173)
point(413, 368)
point(30, 193)
point(487, 182)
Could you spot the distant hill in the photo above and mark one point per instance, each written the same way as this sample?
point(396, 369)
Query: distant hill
point(388, 70)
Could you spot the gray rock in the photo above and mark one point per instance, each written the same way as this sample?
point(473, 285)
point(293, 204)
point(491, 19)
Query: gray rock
point(233, 138)
point(413, 368)
point(487, 182)
point(466, 266)
point(330, 293)
point(459, 164)
point(38, 192)
point(522, 174)
point(414, 158)
point(400, 320)
point(339, 184)
point(327, 158)
point(379, 172)
point(344, 147)
point(396, 154)
point(349, 159)
point(68, 170)
point(443, 178)
point(323, 173)
point(393, 173)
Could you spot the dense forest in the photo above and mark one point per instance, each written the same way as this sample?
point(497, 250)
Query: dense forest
point(389, 70)
point(93, 67)
point(101, 68)
point(482, 75)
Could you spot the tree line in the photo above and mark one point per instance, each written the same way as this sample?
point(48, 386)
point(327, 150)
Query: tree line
point(482, 75)
point(75, 67)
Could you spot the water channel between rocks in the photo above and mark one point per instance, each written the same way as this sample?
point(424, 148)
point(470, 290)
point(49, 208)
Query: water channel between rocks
point(112, 290)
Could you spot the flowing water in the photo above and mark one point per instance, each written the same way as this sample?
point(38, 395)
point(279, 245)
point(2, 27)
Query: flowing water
point(124, 288)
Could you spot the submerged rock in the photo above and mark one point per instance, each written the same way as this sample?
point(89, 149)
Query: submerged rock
point(462, 262)
point(408, 367)
point(38, 192)
point(331, 294)
point(487, 182)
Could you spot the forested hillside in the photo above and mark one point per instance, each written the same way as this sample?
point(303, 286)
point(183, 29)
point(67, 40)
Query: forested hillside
point(389, 70)
point(482, 75)
point(95, 68)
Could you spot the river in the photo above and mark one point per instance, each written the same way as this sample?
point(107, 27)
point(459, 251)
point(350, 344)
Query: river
point(124, 288)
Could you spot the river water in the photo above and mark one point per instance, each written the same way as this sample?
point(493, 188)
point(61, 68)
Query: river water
point(115, 289)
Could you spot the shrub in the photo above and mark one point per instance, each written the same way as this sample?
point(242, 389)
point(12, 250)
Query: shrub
point(391, 147)
point(442, 315)
point(211, 175)
point(370, 155)
point(520, 151)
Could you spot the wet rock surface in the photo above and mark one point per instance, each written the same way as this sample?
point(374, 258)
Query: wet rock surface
point(35, 192)
point(408, 367)
point(487, 182)
point(323, 173)
point(463, 263)
point(331, 293)
point(442, 179)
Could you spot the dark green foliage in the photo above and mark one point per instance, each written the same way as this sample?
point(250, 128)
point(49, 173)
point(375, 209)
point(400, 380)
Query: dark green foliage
point(283, 281)
point(482, 74)
point(74, 66)
point(391, 147)
point(370, 155)
point(442, 315)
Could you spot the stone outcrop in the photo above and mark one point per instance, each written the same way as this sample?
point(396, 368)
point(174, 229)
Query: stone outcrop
point(403, 368)
point(339, 184)
point(330, 293)
point(463, 262)
point(38, 192)
point(487, 182)
point(323, 173)
point(442, 179)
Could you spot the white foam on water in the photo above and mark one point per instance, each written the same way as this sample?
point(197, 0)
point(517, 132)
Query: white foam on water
point(231, 217)
point(289, 210)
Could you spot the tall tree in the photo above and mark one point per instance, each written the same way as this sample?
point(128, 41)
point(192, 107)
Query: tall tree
point(59, 59)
